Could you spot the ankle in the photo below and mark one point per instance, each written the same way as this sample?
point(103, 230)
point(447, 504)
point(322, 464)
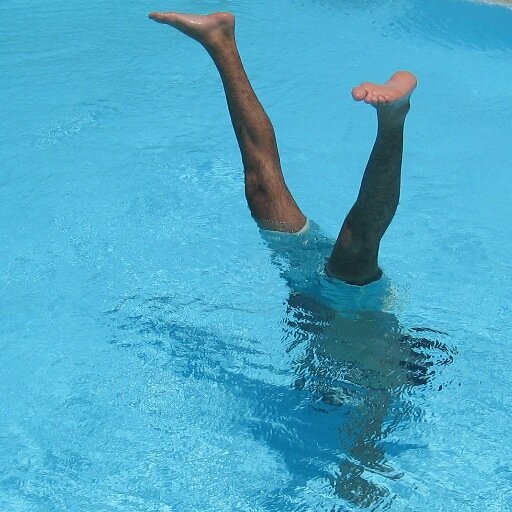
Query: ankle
point(219, 42)
point(393, 115)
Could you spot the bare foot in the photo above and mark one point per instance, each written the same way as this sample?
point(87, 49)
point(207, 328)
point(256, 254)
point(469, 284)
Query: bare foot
point(206, 29)
point(395, 93)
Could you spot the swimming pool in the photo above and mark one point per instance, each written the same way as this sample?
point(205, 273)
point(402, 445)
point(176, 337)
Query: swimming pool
point(157, 354)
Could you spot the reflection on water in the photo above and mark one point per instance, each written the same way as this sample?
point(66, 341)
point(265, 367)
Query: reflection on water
point(353, 373)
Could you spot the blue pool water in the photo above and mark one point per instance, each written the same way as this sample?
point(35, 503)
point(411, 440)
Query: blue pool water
point(160, 353)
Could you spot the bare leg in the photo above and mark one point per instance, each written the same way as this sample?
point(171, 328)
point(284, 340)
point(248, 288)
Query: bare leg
point(268, 197)
point(354, 258)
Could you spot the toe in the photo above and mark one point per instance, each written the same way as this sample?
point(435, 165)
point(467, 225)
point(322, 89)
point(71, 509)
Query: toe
point(359, 93)
point(161, 17)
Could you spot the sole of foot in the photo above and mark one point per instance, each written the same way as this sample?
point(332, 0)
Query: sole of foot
point(393, 94)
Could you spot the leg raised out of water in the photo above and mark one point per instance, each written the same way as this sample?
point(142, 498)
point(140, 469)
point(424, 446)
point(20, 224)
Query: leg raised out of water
point(268, 197)
point(354, 258)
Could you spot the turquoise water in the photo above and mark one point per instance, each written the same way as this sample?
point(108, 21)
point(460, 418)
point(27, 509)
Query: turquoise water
point(160, 353)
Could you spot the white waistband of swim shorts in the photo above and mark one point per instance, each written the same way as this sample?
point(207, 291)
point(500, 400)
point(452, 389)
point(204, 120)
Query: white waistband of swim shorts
point(304, 228)
point(301, 231)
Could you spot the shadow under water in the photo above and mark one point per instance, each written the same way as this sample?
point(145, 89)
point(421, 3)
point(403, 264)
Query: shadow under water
point(354, 376)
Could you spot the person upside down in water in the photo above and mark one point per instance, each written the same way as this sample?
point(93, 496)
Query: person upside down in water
point(354, 258)
point(350, 353)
